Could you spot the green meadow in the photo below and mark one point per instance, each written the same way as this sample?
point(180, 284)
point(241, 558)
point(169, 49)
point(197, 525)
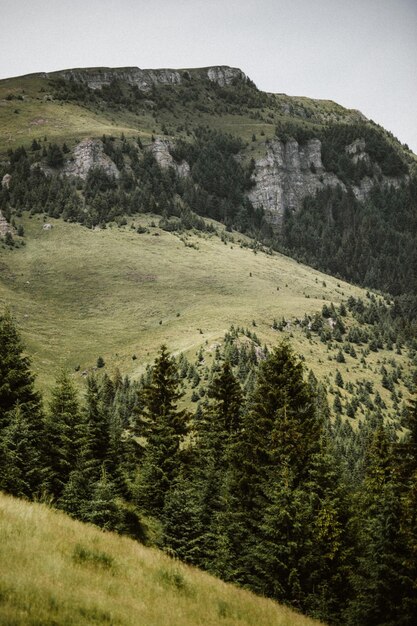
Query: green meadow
point(78, 294)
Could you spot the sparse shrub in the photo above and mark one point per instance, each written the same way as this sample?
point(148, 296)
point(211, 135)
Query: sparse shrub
point(87, 556)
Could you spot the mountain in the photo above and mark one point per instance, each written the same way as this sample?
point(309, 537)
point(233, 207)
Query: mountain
point(264, 249)
point(100, 145)
point(254, 160)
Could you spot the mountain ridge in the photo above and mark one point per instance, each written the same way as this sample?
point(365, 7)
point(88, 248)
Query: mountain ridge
point(241, 156)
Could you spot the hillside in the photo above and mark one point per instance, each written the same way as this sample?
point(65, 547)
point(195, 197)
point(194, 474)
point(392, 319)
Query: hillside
point(78, 294)
point(307, 177)
point(111, 288)
point(58, 571)
point(216, 290)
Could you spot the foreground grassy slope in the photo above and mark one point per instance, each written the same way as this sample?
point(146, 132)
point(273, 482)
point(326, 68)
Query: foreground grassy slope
point(54, 570)
point(78, 293)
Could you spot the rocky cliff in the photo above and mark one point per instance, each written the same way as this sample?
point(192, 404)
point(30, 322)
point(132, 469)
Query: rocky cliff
point(96, 77)
point(286, 175)
point(4, 225)
point(88, 154)
point(289, 172)
point(160, 149)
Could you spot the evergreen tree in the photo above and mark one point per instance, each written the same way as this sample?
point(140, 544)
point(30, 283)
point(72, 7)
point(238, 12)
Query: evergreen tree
point(96, 441)
point(16, 379)
point(377, 575)
point(20, 459)
point(76, 494)
point(165, 426)
point(192, 528)
point(64, 433)
point(408, 448)
point(281, 430)
point(409, 537)
point(103, 509)
point(22, 425)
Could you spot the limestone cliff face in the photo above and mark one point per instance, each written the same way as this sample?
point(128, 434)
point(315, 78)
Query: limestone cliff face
point(96, 77)
point(224, 75)
point(286, 175)
point(160, 149)
point(4, 225)
point(289, 172)
point(88, 154)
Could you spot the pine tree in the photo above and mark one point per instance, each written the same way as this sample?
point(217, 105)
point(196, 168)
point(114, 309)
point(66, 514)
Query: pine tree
point(21, 417)
point(165, 427)
point(408, 448)
point(377, 575)
point(281, 430)
point(282, 424)
point(19, 458)
point(16, 379)
point(103, 509)
point(225, 414)
point(76, 494)
point(95, 446)
point(192, 528)
point(407, 459)
point(64, 433)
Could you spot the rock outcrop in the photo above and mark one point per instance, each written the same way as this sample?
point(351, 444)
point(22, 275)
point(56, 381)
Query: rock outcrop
point(160, 149)
point(88, 154)
point(224, 75)
point(289, 172)
point(96, 77)
point(6, 180)
point(4, 225)
point(286, 175)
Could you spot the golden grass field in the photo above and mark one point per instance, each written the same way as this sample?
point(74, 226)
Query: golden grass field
point(56, 571)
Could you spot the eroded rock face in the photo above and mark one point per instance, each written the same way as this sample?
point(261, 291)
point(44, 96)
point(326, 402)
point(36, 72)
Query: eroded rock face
point(356, 151)
point(88, 154)
point(289, 172)
point(224, 75)
point(95, 78)
point(362, 191)
point(6, 180)
point(160, 149)
point(286, 175)
point(4, 225)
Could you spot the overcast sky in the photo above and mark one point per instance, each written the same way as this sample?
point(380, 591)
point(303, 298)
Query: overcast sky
point(360, 53)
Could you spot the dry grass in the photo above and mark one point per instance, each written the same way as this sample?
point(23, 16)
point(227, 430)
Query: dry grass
point(58, 571)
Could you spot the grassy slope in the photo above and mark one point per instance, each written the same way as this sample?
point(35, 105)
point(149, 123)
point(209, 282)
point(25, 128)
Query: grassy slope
point(54, 570)
point(78, 294)
point(37, 116)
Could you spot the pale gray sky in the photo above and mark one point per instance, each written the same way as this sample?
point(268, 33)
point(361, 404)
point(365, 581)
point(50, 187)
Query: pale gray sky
point(360, 53)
